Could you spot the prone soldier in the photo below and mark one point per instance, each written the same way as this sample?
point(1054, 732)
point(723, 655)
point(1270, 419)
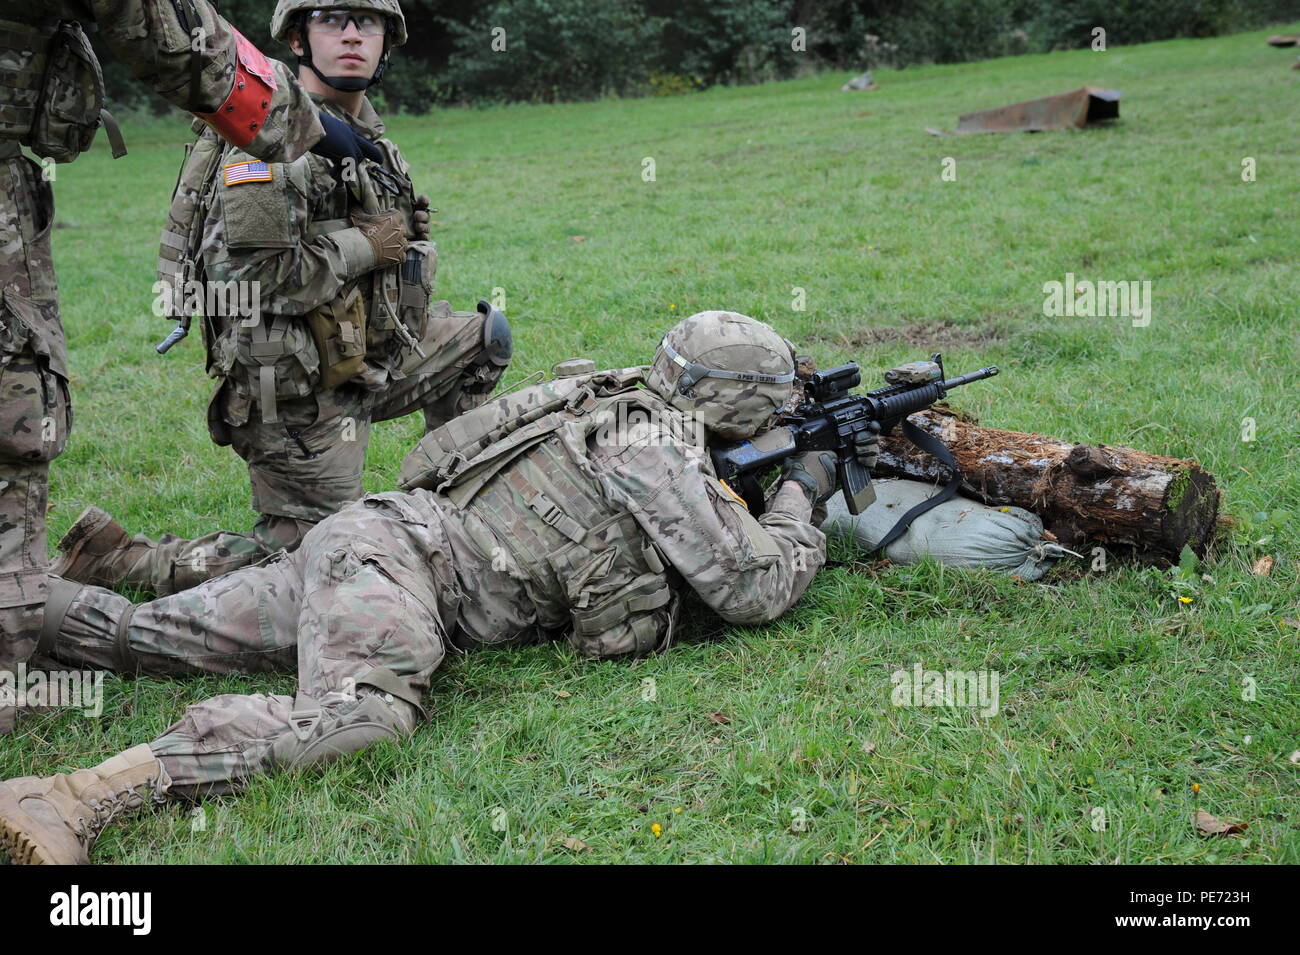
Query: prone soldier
point(585, 506)
point(338, 258)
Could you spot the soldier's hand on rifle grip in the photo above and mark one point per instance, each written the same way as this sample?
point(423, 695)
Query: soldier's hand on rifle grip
point(815, 471)
point(866, 446)
point(420, 217)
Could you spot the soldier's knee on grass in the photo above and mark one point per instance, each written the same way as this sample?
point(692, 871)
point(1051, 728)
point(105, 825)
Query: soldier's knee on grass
point(319, 735)
point(482, 375)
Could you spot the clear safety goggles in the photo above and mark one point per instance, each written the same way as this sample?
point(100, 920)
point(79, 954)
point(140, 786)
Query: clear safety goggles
point(367, 24)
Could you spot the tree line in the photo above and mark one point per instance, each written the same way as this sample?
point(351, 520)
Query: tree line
point(471, 52)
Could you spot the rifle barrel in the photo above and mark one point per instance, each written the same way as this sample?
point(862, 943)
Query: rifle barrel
point(980, 375)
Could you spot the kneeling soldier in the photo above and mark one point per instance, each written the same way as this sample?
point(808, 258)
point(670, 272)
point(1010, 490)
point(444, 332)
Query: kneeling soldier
point(585, 506)
point(336, 254)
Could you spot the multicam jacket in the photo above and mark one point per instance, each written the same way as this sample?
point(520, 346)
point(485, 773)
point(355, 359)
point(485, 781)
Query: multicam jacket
point(282, 231)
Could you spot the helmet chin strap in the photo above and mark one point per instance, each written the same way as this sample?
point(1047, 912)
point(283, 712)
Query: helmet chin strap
point(344, 84)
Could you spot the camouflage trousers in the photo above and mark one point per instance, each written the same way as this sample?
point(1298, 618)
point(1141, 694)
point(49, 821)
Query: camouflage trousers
point(35, 408)
point(310, 463)
point(358, 609)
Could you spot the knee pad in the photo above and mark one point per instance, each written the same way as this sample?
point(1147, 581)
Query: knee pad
point(498, 345)
point(318, 736)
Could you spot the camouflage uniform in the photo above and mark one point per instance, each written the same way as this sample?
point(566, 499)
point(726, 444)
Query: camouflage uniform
point(305, 444)
point(584, 506)
point(50, 99)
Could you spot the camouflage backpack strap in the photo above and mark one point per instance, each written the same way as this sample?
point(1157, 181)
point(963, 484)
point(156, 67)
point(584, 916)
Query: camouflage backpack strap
point(487, 434)
point(179, 261)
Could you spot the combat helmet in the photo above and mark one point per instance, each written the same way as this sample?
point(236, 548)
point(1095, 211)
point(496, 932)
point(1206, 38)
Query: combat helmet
point(730, 371)
point(293, 13)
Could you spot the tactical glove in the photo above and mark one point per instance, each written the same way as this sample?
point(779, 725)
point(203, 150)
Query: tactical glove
point(815, 470)
point(341, 142)
point(386, 233)
point(420, 217)
point(866, 446)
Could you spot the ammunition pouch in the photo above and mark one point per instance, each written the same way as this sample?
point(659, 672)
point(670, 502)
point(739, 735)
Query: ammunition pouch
point(70, 109)
point(636, 617)
point(339, 330)
point(268, 360)
point(417, 277)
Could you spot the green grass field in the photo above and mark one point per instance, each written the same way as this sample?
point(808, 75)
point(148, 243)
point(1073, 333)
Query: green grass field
point(1115, 696)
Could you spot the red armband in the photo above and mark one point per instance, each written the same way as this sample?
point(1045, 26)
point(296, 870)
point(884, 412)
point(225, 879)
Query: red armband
point(239, 119)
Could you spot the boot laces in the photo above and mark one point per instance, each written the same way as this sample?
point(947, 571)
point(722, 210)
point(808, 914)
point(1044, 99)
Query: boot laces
point(110, 807)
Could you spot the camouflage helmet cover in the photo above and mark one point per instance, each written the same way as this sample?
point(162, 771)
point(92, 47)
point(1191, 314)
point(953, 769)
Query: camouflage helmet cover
point(730, 371)
point(285, 11)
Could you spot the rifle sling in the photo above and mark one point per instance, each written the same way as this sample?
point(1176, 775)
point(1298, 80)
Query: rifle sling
point(926, 442)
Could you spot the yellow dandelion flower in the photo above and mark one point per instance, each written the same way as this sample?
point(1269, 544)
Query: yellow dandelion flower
point(1184, 600)
point(1196, 787)
point(657, 829)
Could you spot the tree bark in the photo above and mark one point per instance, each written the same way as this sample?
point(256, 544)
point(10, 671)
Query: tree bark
point(1124, 499)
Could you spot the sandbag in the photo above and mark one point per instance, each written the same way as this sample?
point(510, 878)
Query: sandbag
point(960, 532)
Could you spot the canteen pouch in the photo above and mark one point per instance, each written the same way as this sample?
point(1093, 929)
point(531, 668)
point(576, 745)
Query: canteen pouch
point(620, 602)
point(338, 329)
point(268, 360)
point(71, 107)
point(635, 619)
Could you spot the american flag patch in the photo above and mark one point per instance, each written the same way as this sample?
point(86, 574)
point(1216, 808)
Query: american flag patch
point(255, 170)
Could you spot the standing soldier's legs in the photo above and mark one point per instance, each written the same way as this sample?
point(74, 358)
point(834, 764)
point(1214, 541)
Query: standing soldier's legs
point(368, 641)
point(465, 354)
point(303, 467)
point(35, 411)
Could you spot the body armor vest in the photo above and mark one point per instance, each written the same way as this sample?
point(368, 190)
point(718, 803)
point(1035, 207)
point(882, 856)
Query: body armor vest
point(370, 320)
point(520, 467)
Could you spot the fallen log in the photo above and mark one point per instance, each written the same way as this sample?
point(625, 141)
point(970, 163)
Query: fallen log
point(1124, 499)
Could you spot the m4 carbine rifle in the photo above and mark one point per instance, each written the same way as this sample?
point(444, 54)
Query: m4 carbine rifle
point(829, 418)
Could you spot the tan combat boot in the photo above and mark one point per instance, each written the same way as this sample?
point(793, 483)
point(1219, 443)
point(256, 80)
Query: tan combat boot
point(54, 820)
point(98, 551)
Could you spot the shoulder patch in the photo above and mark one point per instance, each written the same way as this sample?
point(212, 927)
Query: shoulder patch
point(255, 170)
